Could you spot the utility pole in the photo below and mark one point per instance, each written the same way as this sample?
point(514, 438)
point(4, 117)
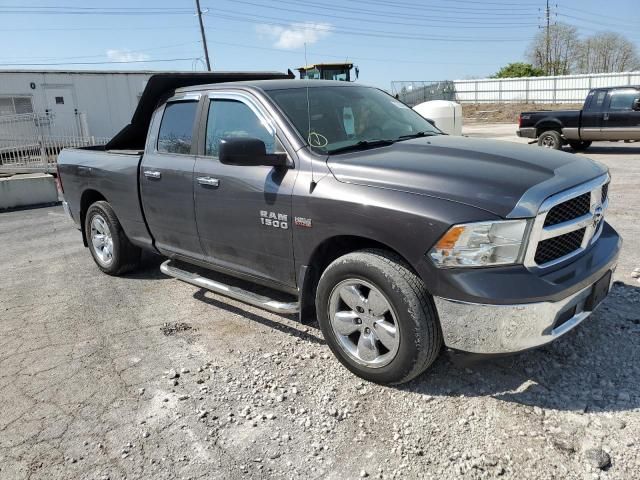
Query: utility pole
point(547, 14)
point(204, 38)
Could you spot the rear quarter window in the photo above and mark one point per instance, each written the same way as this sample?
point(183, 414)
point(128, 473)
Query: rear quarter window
point(176, 129)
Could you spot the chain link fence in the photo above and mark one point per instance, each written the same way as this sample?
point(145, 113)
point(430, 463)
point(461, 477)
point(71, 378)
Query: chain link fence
point(413, 93)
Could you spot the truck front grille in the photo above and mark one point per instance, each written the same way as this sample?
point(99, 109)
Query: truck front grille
point(574, 208)
point(568, 223)
point(558, 247)
point(605, 192)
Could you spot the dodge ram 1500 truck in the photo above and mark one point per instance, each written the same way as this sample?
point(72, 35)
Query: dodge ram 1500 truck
point(397, 238)
point(608, 114)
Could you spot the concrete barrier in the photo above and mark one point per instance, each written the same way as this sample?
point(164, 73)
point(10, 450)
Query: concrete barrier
point(27, 190)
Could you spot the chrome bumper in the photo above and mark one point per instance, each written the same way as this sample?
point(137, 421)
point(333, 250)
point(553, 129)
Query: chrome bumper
point(493, 329)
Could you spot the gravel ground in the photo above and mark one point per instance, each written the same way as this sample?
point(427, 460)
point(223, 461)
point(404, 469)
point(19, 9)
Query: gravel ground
point(147, 377)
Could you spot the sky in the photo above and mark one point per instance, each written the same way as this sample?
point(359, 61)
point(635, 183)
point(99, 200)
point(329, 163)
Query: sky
point(389, 40)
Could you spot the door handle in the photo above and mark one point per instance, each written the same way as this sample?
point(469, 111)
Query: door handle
point(213, 182)
point(606, 116)
point(152, 174)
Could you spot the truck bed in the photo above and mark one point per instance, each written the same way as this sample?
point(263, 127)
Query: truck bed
point(114, 174)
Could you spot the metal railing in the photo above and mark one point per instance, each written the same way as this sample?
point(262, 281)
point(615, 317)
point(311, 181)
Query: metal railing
point(31, 142)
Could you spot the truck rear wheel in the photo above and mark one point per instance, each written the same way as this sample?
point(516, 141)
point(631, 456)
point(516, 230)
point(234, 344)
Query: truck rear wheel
point(109, 246)
point(550, 139)
point(579, 145)
point(377, 317)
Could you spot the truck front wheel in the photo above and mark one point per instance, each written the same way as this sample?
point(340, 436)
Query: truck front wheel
point(377, 317)
point(110, 248)
point(550, 139)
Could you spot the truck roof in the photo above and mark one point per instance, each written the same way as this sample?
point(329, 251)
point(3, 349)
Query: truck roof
point(268, 85)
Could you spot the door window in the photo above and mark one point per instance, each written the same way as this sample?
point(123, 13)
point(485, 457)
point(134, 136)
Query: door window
point(597, 99)
point(176, 129)
point(623, 99)
point(234, 119)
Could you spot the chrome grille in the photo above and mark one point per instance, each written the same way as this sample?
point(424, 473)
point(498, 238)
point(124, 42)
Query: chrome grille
point(567, 223)
point(574, 208)
point(557, 247)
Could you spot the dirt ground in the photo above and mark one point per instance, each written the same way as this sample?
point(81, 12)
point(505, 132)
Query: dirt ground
point(146, 377)
point(507, 112)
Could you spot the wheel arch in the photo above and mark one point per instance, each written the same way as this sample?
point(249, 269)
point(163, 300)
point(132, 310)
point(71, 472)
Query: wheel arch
point(548, 124)
point(88, 198)
point(326, 252)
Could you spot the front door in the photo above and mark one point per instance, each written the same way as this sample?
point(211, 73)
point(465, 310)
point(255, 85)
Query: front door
point(166, 180)
point(244, 212)
point(591, 121)
point(620, 121)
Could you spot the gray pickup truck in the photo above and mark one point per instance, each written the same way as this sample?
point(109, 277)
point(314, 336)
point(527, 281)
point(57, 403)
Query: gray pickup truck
point(353, 210)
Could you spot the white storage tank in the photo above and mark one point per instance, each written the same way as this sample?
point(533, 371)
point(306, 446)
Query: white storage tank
point(445, 114)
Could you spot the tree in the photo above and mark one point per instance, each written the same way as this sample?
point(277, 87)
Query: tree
point(556, 52)
point(519, 69)
point(607, 52)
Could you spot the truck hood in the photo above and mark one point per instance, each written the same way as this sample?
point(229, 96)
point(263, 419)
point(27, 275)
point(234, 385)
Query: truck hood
point(504, 178)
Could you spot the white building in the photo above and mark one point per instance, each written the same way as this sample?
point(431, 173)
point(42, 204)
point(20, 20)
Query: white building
point(95, 103)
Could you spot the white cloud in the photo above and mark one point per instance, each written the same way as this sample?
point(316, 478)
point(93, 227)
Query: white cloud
point(126, 56)
point(296, 34)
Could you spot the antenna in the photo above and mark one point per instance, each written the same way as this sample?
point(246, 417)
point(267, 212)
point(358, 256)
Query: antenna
point(306, 63)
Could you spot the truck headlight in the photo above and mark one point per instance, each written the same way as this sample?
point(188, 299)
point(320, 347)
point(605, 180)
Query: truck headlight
point(481, 244)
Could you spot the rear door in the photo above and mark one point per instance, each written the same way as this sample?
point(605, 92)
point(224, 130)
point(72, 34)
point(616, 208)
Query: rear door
point(243, 212)
point(166, 177)
point(591, 121)
point(620, 121)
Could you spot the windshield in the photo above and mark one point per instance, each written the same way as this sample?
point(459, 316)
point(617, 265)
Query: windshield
point(340, 118)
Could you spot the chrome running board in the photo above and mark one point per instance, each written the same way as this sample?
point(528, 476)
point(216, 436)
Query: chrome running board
point(236, 293)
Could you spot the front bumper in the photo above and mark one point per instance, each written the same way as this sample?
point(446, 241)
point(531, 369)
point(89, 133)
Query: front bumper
point(484, 326)
point(527, 132)
point(495, 329)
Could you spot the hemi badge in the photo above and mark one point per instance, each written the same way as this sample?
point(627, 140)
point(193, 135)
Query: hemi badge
point(302, 222)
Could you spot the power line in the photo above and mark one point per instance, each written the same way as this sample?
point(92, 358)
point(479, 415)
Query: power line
point(345, 57)
point(90, 11)
point(280, 22)
point(413, 5)
point(133, 52)
point(96, 63)
point(384, 17)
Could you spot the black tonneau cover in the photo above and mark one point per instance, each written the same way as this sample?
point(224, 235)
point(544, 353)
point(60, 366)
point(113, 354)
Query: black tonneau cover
point(133, 136)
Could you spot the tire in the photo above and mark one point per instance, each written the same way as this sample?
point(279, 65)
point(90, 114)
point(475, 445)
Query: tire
point(368, 279)
point(579, 145)
point(550, 139)
point(109, 246)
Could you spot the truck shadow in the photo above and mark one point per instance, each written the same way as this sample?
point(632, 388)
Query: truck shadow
point(613, 149)
point(596, 367)
point(149, 268)
point(302, 331)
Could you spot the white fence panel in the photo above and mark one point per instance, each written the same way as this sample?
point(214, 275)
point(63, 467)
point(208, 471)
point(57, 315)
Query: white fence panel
point(559, 89)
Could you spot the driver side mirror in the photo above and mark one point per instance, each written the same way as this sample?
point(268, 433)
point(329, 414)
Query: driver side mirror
point(636, 104)
point(250, 152)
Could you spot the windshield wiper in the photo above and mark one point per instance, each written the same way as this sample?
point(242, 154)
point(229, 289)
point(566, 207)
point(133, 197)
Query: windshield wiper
point(416, 135)
point(361, 145)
